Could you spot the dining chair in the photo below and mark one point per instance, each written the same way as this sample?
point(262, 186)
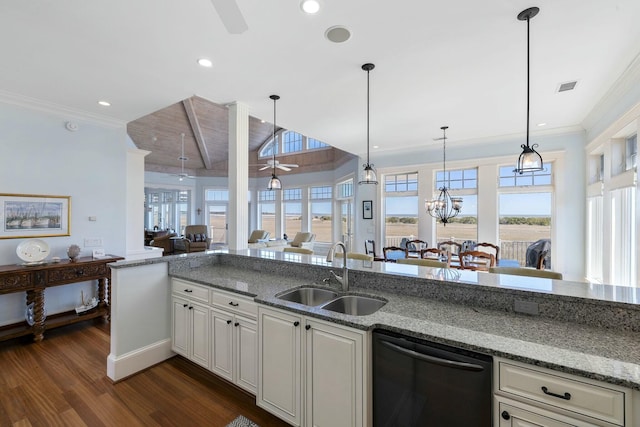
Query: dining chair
point(540, 265)
point(477, 260)
point(423, 262)
point(436, 254)
point(413, 247)
point(489, 247)
point(370, 249)
point(360, 256)
point(454, 247)
point(298, 250)
point(526, 271)
point(393, 253)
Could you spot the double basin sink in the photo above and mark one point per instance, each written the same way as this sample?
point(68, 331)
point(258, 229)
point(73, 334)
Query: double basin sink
point(355, 305)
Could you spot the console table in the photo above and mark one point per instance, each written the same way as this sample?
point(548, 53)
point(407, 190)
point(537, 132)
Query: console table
point(35, 279)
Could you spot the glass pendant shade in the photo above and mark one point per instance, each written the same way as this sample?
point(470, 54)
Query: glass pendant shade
point(444, 207)
point(274, 183)
point(369, 175)
point(529, 160)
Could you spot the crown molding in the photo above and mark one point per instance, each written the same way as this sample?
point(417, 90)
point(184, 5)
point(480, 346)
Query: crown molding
point(58, 110)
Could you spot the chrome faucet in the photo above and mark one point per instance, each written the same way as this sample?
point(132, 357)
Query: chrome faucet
point(344, 279)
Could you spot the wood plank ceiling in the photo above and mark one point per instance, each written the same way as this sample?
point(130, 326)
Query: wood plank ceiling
point(206, 131)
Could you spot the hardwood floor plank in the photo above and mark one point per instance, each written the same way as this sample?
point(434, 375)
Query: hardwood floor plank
point(62, 381)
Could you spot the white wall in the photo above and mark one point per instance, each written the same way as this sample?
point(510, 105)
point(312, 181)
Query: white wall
point(39, 156)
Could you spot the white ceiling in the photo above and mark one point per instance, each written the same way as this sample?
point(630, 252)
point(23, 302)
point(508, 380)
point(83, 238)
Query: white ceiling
point(456, 63)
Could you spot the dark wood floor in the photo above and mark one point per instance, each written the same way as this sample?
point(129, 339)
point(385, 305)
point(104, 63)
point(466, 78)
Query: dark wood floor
point(62, 382)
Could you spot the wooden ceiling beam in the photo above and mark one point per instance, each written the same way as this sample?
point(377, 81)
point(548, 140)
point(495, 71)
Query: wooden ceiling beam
point(197, 132)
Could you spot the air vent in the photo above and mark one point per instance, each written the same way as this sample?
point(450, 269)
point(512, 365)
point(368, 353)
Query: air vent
point(567, 86)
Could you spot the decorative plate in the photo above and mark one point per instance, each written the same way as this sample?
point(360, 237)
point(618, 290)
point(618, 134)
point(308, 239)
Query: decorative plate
point(33, 250)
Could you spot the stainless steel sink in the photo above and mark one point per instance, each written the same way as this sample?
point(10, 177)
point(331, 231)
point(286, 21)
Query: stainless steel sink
point(309, 296)
point(355, 305)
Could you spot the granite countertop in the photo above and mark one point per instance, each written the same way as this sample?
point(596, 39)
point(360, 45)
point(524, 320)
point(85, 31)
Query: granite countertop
point(603, 354)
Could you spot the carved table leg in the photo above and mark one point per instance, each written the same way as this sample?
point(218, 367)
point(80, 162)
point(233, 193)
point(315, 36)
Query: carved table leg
point(103, 296)
point(38, 315)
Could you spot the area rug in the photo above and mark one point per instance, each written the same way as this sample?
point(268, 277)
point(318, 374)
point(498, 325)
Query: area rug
point(242, 421)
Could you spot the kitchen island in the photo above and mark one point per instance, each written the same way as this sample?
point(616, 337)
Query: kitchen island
point(582, 329)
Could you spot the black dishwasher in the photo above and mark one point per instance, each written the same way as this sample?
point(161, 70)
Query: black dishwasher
point(418, 384)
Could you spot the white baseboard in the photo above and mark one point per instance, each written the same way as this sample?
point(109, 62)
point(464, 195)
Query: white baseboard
point(135, 361)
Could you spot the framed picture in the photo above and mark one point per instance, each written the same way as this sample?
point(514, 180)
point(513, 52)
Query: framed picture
point(367, 209)
point(29, 215)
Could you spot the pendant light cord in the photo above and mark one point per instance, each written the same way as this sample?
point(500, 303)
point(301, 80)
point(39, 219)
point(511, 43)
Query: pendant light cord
point(368, 117)
point(528, 19)
point(273, 146)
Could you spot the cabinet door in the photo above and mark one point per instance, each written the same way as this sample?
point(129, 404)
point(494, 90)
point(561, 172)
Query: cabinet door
point(516, 416)
point(180, 325)
point(279, 364)
point(334, 375)
point(246, 353)
point(199, 334)
point(222, 344)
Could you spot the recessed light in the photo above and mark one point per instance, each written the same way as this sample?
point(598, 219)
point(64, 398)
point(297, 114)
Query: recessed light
point(376, 146)
point(205, 62)
point(104, 103)
point(541, 124)
point(337, 34)
point(310, 6)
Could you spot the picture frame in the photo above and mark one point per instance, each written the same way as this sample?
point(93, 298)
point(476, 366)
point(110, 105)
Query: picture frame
point(367, 209)
point(34, 215)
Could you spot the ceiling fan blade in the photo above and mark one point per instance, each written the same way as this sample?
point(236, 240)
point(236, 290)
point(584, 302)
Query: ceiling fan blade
point(264, 167)
point(283, 167)
point(230, 16)
point(289, 165)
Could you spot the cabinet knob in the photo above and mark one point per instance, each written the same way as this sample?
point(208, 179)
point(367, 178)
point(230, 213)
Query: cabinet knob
point(236, 324)
point(191, 308)
point(185, 305)
point(505, 415)
point(296, 323)
point(228, 322)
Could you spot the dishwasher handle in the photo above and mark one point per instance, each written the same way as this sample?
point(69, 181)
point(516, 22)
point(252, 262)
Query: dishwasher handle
point(432, 359)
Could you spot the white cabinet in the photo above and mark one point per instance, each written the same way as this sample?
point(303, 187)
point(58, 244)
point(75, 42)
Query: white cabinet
point(216, 329)
point(190, 329)
point(309, 364)
point(524, 392)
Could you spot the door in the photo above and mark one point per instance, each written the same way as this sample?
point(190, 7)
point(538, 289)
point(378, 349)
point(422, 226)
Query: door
point(180, 313)
point(346, 221)
point(199, 334)
point(511, 416)
point(217, 222)
point(222, 344)
point(246, 354)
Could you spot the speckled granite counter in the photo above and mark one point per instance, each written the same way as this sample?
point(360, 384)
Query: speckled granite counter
point(465, 309)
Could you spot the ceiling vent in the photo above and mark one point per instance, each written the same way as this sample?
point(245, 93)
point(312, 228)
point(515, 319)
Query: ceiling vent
point(567, 86)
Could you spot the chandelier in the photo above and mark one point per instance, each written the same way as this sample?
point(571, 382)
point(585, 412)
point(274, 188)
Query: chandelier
point(529, 160)
point(444, 207)
point(274, 182)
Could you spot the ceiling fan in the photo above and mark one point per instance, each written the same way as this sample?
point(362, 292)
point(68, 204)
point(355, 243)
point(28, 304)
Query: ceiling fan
point(182, 175)
point(230, 16)
point(270, 163)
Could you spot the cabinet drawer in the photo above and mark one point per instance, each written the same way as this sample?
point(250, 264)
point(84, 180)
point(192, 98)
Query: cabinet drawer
point(16, 281)
point(596, 401)
point(235, 302)
point(76, 273)
point(190, 290)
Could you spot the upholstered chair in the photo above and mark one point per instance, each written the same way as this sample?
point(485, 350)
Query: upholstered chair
point(298, 250)
point(524, 271)
point(164, 242)
point(195, 239)
point(303, 240)
point(257, 235)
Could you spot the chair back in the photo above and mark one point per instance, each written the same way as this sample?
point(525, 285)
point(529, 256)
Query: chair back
point(477, 260)
point(454, 247)
point(437, 255)
point(423, 262)
point(525, 271)
point(415, 246)
point(298, 250)
point(370, 247)
point(257, 235)
point(302, 237)
point(360, 256)
point(489, 247)
point(540, 265)
point(393, 253)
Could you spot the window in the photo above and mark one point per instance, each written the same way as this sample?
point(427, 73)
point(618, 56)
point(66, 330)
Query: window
point(460, 183)
point(216, 195)
point(525, 206)
point(400, 208)
point(167, 209)
point(623, 248)
point(267, 211)
point(292, 198)
point(457, 179)
point(631, 152)
point(345, 189)
point(292, 142)
point(313, 144)
point(267, 150)
point(321, 213)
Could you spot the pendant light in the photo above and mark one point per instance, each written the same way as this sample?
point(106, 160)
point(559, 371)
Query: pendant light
point(529, 160)
point(274, 182)
point(444, 207)
point(368, 173)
